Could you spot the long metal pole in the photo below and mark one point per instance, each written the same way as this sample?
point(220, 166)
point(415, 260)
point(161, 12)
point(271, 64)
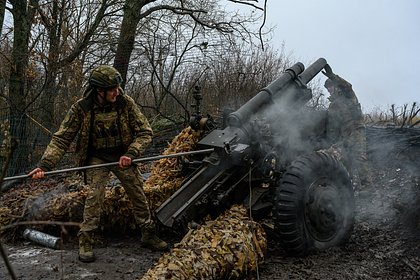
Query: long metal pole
point(114, 163)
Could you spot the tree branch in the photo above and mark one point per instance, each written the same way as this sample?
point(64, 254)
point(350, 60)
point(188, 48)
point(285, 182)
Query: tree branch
point(262, 25)
point(250, 4)
point(85, 41)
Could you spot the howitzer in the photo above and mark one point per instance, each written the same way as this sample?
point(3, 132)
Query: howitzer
point(265, 159)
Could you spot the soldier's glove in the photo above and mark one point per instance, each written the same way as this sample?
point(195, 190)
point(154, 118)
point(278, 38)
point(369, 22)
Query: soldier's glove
point(328, 72)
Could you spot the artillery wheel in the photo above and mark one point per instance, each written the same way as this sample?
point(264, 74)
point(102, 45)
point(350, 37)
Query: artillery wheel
point(313, 204)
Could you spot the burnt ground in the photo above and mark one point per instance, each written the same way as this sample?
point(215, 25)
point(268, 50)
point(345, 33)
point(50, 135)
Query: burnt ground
point(385, 244)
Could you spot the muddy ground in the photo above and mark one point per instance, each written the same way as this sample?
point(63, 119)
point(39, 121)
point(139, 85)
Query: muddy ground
point(385, 244)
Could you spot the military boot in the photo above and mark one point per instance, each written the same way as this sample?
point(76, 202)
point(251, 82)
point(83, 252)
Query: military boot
point(85, 247)
point(152, 241)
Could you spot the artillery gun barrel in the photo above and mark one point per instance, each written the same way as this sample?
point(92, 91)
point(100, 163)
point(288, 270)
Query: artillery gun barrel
point(295, 75)
point(313, 69)
point(264, 97)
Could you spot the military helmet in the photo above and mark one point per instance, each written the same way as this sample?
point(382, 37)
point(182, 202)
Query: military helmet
point(105, 76)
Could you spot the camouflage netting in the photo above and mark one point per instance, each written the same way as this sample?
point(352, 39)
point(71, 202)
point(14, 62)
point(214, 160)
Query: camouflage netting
point(42, 202)
point(165, 177)
point(46, 201)
point(229, 247)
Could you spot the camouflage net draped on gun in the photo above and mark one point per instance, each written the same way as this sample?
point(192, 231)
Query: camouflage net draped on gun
point(62, 199)
point(230, 247)
point(165, 177)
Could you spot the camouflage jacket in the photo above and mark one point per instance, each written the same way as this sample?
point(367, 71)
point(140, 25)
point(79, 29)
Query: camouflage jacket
point(344, 112)
point(136, 132)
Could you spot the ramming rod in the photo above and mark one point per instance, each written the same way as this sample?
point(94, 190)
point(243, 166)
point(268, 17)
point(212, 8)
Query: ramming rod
point(145, 159)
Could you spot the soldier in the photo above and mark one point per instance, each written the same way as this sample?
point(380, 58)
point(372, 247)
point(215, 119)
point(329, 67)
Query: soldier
point(345, 126)
point(103, 107)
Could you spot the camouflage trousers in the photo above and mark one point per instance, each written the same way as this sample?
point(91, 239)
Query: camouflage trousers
point(132, 182)
point(355, 156)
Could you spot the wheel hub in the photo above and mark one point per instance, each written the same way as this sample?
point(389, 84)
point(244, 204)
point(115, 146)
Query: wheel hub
point(322, 210)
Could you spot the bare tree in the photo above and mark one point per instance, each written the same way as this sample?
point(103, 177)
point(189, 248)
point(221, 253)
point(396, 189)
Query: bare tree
point(403, 116)
point(2, 13)
point(23, 13)
point(175, 46)
point(57, 18)
point(229, 74)
point(238, 74)
point(56, 42)
point(24, 69)
point(203, 12)
point(413, 118)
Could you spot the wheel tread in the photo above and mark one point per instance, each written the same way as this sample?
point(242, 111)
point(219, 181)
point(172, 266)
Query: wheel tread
point(288, 213)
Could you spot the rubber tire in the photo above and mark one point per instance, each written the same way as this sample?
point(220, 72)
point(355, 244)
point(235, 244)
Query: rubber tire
point(313, 204)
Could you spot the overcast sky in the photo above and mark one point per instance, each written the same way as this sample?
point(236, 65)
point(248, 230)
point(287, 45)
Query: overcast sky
point(374, 44)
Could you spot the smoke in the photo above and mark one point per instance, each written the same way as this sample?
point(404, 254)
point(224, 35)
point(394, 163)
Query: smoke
point(394, 147)
point(295, 128)
point(39, 207)
point(393, 157)
point(394, 197)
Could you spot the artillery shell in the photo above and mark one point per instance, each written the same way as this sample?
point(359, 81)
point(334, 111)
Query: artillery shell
point(42, 238)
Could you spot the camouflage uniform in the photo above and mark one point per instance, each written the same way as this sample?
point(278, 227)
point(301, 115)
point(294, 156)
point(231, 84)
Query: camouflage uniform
point(135, 131)
point(110, 128)
point(131, 180)
point(345, 127)
point(135, 134)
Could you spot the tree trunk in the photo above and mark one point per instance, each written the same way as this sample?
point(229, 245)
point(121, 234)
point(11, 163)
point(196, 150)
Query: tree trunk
point(127, 35)
point(2, 13)
point(22, 18)
point(54, 65)
point(50, 89)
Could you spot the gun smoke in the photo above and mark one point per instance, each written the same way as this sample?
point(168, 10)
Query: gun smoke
point(393, 156)
point(395, 196)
